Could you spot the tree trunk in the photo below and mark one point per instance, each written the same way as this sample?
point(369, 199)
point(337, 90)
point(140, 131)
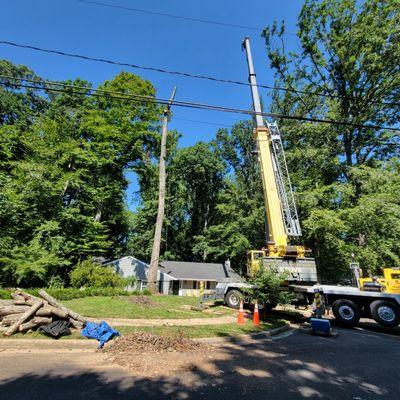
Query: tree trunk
point(34, 323)
point(51, 300)
point(26, 296)
point(49, 311)
point(97, 217)
point(7, 310)
point(24, 317)
point(155, 255)
point(10, 319)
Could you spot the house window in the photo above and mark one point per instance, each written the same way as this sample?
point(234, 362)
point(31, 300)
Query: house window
point(194, 284)
point(208, 285)
point(143, 285)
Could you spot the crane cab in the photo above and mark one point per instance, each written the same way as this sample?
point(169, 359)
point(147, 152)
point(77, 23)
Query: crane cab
point(389, 283)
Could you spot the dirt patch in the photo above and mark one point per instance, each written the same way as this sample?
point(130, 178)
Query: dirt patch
point(141, 300)
point(135, 353)
point(146, 342)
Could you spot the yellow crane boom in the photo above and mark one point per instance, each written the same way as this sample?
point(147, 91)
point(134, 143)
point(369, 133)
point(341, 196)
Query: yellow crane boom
point(282, 218)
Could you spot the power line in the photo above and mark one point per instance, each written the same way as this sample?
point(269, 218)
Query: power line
point(202, 122)
point(136, 66)
point(165, 71)
point(149, 99)
point(182, 17)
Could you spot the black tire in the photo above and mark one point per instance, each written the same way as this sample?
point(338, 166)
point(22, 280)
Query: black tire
point(232, 299)
point(385, 313)
point(346, 312)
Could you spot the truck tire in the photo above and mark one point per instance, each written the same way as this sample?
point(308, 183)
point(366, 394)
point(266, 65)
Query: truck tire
point(346, 312)
point(385, 313)
point(232, 299)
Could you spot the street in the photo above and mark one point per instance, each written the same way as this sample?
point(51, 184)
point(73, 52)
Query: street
point(359, 364)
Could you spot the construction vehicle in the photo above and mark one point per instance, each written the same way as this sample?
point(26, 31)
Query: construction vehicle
point(376, 297)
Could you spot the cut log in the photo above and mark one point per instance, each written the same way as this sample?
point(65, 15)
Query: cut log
point(22, 302)
point(76, 324)
point(27, 326)
point(24, 317)
point(7, 310)
point(41, 320)
point(34, 323)
point(10, 319)
point(17, 297)
point(49, 311)
point(27, 296)
point(51, 300)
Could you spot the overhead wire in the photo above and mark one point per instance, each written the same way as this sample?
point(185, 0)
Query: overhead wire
point(41, 85)
point(171, 72)
point(182, 17)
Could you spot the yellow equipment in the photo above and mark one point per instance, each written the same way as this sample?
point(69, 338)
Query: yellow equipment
point(390, 283)
point(282, 218)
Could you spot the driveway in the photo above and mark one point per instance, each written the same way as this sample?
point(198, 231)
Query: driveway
point(356, 365)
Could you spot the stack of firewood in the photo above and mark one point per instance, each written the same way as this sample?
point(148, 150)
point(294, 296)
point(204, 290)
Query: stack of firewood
point(29, 312)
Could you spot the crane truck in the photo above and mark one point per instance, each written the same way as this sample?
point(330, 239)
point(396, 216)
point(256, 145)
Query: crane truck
point(378, 298)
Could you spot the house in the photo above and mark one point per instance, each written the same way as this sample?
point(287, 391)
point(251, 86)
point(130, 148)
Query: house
point(188, 275)
point(177, 277)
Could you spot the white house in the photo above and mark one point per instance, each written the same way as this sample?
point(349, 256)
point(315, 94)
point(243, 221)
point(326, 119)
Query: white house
point(177, 277)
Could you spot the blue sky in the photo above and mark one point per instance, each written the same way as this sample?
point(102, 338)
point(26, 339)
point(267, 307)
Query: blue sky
point(174, 44)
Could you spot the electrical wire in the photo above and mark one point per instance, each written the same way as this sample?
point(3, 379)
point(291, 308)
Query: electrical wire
point(182, 17)
point(165, 71)
point(149, 99)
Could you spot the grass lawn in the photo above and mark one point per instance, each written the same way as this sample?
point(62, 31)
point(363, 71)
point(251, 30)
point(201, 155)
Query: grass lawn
point(163, 306)
point(189, 331)
point(204, 331)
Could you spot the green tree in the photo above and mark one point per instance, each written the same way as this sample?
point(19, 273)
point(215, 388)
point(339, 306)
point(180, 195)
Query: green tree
point(62, 173)
point(350, 56)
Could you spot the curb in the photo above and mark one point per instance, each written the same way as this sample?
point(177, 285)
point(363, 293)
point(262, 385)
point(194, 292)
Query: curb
point(235, 339)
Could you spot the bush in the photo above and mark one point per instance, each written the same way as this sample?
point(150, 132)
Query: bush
point(72, 293)
point(5, 294)
point(89, 274)
point(268, 288)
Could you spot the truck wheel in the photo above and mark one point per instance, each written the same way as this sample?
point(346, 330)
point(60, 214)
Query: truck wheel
point(385, 313)
point(346, 312)
point(232, 299)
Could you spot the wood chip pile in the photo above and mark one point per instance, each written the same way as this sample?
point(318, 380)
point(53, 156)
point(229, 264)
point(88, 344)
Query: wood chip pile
point(28, 312)
point(145, 342)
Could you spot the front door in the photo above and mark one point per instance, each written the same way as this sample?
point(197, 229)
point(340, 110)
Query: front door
point(175, 287)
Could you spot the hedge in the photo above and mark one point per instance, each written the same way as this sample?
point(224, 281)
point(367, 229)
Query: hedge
point(71, 293)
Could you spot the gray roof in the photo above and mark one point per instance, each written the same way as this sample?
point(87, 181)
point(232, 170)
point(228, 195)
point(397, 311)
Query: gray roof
point(199, 271)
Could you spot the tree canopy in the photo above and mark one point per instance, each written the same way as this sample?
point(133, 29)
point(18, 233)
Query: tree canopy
point(64, 158)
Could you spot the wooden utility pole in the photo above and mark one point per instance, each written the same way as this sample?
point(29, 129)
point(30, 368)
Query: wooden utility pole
point(155, 254)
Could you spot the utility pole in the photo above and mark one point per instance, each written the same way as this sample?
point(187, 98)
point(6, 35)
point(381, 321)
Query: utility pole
point(155, 254)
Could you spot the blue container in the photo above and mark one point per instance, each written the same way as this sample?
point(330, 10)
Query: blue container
point(320, 326)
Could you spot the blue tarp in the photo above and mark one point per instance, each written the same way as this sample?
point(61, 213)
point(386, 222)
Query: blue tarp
point(102, 332)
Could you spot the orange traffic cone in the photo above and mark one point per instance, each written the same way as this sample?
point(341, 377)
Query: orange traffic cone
point(256, 315)
point(240, 319)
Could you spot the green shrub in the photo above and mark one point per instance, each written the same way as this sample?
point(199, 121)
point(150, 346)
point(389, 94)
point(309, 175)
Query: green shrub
point(72, 293)
point(5, 294)
point(268, 288)
point(89, 274)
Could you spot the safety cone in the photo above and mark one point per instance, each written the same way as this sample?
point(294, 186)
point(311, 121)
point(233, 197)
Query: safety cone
point(256, 315)
point(240, 319)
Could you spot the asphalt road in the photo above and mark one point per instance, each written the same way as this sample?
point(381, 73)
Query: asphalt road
point(356, 365)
